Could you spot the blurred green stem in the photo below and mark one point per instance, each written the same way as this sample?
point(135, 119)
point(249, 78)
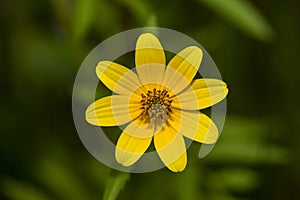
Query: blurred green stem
point(115, 184)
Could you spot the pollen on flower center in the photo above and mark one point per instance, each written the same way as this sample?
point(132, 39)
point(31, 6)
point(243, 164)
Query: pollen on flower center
point(156, 105)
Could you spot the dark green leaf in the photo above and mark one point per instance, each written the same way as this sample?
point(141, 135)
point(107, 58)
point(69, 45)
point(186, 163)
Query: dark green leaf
point(243, 15)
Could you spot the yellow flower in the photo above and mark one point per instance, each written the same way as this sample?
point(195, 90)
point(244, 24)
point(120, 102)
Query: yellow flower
point(159, 101)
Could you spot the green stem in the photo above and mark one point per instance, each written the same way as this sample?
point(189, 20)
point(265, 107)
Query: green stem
point(115, 184)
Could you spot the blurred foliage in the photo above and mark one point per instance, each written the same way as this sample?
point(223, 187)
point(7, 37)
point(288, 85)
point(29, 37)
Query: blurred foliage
point(255, 45)
point(243, 15)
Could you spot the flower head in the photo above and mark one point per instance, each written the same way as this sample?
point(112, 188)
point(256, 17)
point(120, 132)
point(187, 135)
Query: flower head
point(159, 101)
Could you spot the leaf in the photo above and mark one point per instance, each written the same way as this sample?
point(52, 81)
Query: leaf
point(16, 190)
point(85, 12)
point(59, 178)
point(115, 184)
point(140, 9)
point(244, 141)
point(152, 21)
point(239, 179)
point(243, 15)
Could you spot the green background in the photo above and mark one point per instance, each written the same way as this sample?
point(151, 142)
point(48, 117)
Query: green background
point(256, 46)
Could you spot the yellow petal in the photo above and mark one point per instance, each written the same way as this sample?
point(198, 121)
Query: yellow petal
point(113, 110)
point(186, 63)
point(179, 164)
point(203, 93)
point(149, 59)
point(171, 148)
point(129, 149)
point(117, 78)
point(140, 128)
point(194, 125)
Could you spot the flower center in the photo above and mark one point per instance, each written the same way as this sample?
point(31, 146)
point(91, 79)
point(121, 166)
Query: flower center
point(156, 105)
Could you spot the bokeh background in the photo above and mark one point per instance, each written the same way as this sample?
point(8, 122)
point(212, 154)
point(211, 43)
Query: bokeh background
point(256, 46)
